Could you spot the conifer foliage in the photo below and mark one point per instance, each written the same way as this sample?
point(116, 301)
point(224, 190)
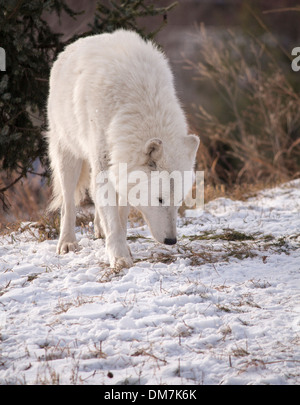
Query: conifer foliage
point(30, 48)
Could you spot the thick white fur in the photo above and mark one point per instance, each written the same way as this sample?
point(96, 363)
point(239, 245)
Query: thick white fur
point(111, 98)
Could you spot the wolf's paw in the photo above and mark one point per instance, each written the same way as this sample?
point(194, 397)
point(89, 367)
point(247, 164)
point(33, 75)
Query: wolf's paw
point(119, 263)
point(99, 234)
point(65, 247)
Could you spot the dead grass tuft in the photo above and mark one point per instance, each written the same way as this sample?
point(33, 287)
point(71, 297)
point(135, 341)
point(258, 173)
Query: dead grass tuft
point(251, 128)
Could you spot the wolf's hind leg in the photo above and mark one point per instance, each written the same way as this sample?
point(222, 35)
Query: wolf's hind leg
point(99, 233)
point(69, 169)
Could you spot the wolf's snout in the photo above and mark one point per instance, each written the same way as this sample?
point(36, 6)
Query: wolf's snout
point(170, 241)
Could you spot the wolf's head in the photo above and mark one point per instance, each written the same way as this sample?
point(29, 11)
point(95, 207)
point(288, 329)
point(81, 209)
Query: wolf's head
point(157, 187)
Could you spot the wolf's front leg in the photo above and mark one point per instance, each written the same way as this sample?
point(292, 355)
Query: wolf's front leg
point(115, 235)
point(116, 243)
point(118, 252)
point(107, 215)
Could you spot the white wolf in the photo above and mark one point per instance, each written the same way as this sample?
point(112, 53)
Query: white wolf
point(112, 100)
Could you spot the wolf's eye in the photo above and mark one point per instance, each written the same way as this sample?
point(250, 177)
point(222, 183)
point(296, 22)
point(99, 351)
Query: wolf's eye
point(160, 200)
point(152, 164)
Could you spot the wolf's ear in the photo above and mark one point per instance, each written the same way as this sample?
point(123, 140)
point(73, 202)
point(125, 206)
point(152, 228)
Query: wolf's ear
point(154, 149)
point(192, 144)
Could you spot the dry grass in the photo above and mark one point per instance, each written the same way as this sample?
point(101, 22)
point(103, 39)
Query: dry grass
point(27, 200)
point(251, 131)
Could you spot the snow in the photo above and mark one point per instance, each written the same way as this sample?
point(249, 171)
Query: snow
point(220, 307)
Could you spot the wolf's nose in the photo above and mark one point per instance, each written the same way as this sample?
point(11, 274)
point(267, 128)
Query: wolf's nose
point(170, 241)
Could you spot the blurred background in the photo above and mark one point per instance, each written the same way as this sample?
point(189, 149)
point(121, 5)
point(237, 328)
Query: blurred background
point(232, 65)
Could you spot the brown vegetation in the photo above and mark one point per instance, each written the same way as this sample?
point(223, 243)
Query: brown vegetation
point(251, 134)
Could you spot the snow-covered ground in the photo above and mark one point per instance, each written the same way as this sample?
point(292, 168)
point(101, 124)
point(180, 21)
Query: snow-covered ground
point(220, 307)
